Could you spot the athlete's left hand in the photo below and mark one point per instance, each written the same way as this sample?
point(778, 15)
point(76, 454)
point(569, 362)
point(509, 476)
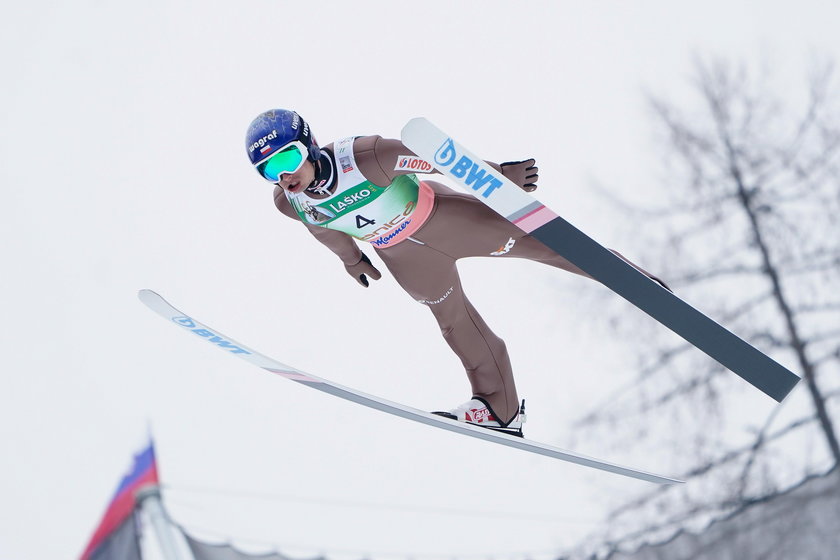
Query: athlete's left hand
point(522, 173)
point(362, 269)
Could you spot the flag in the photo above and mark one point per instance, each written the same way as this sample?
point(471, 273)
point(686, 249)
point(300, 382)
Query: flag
point(119, 511)
point(206, 551)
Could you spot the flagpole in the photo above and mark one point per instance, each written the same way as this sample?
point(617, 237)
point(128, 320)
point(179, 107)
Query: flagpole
point(149, 499)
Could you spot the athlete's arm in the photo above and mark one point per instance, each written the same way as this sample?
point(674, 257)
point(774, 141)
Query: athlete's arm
point(381, 160)
point(362, 269)
point(336, 241)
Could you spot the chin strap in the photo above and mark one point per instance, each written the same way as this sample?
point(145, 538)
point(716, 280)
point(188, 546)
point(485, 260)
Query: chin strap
point(324, 172)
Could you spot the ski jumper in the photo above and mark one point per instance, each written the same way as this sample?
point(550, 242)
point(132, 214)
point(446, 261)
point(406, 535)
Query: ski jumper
point(419, 229)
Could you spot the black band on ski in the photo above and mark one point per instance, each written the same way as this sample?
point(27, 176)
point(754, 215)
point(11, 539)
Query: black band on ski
point(761, 371)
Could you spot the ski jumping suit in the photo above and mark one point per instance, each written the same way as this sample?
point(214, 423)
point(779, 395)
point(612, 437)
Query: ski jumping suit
point(419, 229)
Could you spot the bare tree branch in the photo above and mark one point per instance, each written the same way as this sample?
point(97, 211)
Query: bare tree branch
point(713, 464)
point(751, 210)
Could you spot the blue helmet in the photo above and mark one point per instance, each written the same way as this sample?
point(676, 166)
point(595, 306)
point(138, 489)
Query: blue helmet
point(275, 128)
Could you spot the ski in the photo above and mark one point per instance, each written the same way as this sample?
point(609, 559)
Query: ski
point(160, 306)
point(529, 214)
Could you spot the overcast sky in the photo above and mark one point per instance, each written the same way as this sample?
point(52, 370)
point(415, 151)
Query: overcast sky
point(123, 167)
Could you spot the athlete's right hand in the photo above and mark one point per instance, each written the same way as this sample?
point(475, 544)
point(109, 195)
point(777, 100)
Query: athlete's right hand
point(362, 268)
point(523, 173)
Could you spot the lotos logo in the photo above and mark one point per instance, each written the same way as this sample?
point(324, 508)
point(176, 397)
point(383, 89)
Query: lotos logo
point(263, 141)
point(475, 175)
point(412, 163)
point(215, 338)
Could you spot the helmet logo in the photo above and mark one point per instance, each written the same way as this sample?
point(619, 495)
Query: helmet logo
point(263, 141)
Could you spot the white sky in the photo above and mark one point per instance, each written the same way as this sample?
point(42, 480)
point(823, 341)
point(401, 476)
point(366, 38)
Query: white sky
point(122, 166)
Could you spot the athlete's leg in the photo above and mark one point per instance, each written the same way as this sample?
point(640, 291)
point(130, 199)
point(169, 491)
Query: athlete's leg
point(463, 226)
point(466, 227)
point(431, 278)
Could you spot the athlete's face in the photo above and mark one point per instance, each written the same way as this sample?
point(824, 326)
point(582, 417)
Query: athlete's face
point(300, 179)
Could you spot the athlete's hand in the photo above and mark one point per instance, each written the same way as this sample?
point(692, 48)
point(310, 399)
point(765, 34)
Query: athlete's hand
point(522, 173)
point(362, 268)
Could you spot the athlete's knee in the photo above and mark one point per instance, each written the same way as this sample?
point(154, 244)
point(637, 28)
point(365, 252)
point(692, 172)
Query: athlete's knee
point(437, 299)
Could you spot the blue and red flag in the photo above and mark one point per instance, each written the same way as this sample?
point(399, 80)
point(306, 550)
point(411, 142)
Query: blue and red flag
point(143, 473)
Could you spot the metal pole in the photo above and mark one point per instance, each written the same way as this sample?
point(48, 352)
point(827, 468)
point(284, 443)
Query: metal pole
point(149, 499)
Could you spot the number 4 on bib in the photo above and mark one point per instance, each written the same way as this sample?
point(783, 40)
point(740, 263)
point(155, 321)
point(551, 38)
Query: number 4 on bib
point(529, 214)
point(361, 221)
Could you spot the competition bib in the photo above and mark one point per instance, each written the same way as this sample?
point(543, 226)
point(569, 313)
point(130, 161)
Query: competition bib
point(381, 216)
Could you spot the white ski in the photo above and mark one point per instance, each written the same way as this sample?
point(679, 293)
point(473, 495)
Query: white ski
point(227, 344)
point(529, 214)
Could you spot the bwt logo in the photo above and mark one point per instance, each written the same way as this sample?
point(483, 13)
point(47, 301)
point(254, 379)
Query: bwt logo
point(187, 322)
point(475, 175)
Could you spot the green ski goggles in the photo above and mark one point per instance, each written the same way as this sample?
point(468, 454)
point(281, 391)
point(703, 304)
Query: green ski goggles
point(287, 160)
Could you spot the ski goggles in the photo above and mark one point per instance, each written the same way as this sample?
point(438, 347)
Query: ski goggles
point(288, 160)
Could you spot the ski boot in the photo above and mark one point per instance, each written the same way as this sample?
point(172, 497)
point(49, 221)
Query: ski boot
point(476, 411)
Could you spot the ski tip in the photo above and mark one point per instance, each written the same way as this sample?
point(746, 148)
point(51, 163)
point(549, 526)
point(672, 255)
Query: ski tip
point(672, 481)
point(146, 295)
point(417, 120)
point(414, 123)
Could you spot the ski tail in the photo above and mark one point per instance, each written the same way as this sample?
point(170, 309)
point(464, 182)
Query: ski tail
point(533, 217)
